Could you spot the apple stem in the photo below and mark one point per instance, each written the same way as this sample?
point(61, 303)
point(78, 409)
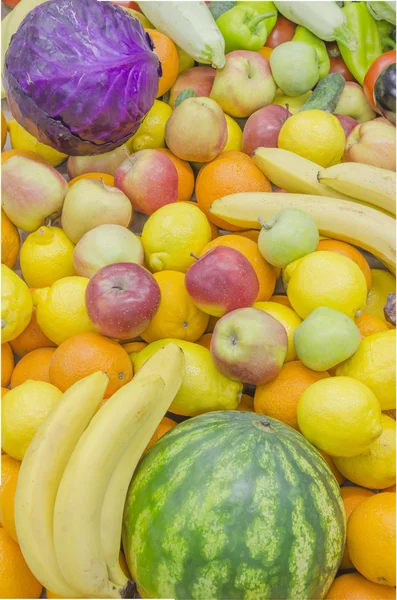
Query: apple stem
point(102, 182)
point(358, 314)
point(194, 256)
point(263, 224)
point(52, 218)
point(128, 155)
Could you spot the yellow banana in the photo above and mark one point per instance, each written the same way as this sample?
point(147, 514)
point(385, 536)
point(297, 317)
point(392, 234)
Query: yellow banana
point(41, 472)
point(351, 222)
point(364, 182)
point(169, 364)
point(79, 501)
point(292, 172)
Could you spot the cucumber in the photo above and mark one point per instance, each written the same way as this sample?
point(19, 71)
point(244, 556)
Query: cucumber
point(184, 95)
point(326, 94)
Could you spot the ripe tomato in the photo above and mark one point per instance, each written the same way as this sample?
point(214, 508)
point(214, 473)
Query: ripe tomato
point(127, 4)
point(373, 73)
point(10, 3)
point(338, 66)
point(284, 31)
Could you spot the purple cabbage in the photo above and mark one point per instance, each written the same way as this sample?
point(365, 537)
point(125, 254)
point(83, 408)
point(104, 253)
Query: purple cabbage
point(80, 75)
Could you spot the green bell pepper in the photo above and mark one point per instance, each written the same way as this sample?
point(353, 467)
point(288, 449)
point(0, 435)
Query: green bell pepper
point(387, 33)
point(304, 35)
point(363, 26)
point(263, 7)
point(243, 28)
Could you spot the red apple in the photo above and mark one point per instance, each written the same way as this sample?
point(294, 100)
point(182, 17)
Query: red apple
point(348, 123)
point(249, 345)
point(198, 79)
point(222, 280)
point(262, 128)
point(121, 299)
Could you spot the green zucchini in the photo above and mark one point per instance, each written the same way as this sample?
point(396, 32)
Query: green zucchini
point(326, 94)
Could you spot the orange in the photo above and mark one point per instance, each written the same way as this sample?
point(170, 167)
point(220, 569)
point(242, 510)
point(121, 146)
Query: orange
point(34, 365)
point(370, 324)
point(338, 476)
point(279, 397)
point(31, 338)
point(229, 173)
point(134, 346)
point(106, 178)
point(4, 391)
point(10, 242)
point(281, 300)
point(185, 175)
point(352, 497)
point(266, 52)
point(392, 488)
point(4, 130)
point(86, 353)
point(28, 153)
point(246, 403)
point(205, 340)
point(7, 364)
point(214, 231)
point(354, 586)
point(247, 247)
point(16, 579)
point(371, 538)
point(351, 252)
point(9, 479)
point(251, 234)
point(165, 425)
point(166, 50)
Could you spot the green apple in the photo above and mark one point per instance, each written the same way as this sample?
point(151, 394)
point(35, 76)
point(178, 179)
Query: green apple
point(288, 235)
point(326, 338)
point(294, 67)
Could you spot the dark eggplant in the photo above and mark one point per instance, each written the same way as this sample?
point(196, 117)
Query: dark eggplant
point(385, 93)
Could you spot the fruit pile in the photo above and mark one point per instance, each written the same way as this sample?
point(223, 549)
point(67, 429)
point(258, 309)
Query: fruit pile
point(198, 358)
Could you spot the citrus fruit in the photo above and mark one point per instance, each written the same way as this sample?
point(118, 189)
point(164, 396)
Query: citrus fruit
point(374, 364)
point(167, 52)
point(23, 410)
point(371, 538)
point(86, 353)
point(9, 479)
point(205, 340)
point(328, 459)
point(281, 300)
point(16, 305)
point(4, 130)
point(383, 284)
point(31, 338)
point(229, 173)
point(22, 140)
point(185, 61)
point(105, 177)
point(369, 324)
point(376, 467)
point(34, 365)
point(16, 579)
point(339, 415)
point(7, 154)
point(246, 403)
point(177, 316)
point(314, 134)
point(266, 52)
point(60, 309)
point(10, 242)
point(133, 349)
point(351, 252)
point(352, 497)
point(251, 234)
point(391, 488)
point(353, 586)
point(4, 391)
point(288, 319)
point(279, 397)
point(151, 131)
point(234, 135)
point(249, 249)
point(46, 256)
point(166, 424)
point(172, 234)
point(185, 175)
point(327, 279)
point(7, 364)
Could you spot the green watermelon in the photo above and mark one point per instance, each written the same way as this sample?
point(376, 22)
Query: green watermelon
point(231, 505)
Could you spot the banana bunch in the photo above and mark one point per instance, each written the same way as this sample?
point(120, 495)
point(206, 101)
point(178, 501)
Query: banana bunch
point(344, 220)
point(75, 475)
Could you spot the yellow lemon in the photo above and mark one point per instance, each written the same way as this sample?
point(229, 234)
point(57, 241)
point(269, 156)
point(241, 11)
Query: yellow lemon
point(185, 61)
point(23, 410)
point(234, 135)
point(288, 318)
point(293, 103)
point(328, 279)
point(172, 234)
point(204, 388)
point(23, 140)
point(286, 273)
point(315, 135)
point(16, 305)
point(46, 256)
point(177, 315)
point(376, 467)
point(151, 132)
point(383, 284)
point(61, 311)
point(374, 364)
point(339, 415)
